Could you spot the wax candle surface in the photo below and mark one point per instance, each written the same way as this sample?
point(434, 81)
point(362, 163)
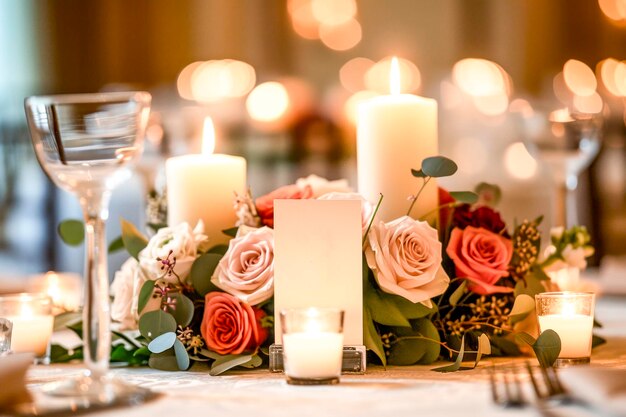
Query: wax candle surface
point(394, 134)
point(313, 355)
point(575, 331)
point(31, 333)
point(202, 187)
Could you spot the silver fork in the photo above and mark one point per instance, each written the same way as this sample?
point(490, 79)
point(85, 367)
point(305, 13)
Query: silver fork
point(506, 387)
point(548, 387)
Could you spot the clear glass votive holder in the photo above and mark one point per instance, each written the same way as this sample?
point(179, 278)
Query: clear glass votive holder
point(570, 315)
point(32, 319)
point(312, 345)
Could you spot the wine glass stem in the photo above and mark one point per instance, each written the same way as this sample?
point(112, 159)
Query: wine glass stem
point(96, 318)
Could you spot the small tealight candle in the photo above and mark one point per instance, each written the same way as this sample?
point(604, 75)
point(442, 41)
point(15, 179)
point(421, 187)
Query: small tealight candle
point(65, 289)
point(312, 345)
point(31, 315)
point(570, 315)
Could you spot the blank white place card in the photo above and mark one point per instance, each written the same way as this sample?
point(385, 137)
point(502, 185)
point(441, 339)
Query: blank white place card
point(317, 260)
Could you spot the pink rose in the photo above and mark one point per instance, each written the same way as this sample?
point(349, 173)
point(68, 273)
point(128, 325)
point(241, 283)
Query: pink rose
point(405, 256)
point(482, 257)
point(265, 204)
point(230, 326)
point(247, 269)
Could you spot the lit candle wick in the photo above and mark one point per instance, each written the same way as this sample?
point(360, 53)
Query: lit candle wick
point(394, 77)
point(208, 137)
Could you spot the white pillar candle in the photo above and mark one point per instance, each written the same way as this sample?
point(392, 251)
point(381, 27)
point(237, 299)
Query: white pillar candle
point(574, 330)
point(31, 333)
point(202, 187)
point(313, 354)
point(394, 134)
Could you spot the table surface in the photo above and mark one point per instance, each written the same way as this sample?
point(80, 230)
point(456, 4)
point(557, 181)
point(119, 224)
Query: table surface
point(398, 391)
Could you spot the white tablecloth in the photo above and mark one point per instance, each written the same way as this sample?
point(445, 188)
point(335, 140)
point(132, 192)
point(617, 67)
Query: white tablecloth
point(397, 391)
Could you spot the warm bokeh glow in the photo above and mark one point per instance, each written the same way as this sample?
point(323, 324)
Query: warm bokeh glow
point(352, 73)
point(341, 37)
point(588, 104)
point(480, 77)
point(471, 154)
point(522, 107)
point(492, 105)
point(208, 136)
point(377, 78)
point(579, 78)
point(518, 162)
point(333, 12)
point(351, 106)
point(561, 91)
point(620, 78)
point(183, 83)
point(268, 102)
point(302, 19)
point(216, 80)
point(614, 10)
point(560, 115)
point(606, 71)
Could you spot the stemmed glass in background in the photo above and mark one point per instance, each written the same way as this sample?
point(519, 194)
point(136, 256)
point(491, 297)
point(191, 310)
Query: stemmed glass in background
point(84, 143)
point(568, 143)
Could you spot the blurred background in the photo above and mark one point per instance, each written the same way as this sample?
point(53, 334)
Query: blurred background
point(282, 81)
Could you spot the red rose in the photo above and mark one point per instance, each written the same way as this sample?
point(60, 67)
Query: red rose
point(480, 256)
point(483, 216)
point(230, 326)
point(445, 213)
point(265, 204)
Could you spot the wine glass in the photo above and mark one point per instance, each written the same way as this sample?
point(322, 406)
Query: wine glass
point(85, 143)
point(568, 142)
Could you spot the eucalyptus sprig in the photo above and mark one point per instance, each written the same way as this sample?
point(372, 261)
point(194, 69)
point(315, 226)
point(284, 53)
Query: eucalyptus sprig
point(432, 167)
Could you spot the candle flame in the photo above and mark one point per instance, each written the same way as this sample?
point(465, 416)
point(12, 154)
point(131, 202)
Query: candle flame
point(208, 137)
point(53, 289)
point(569, 309)
point(394, 76)
point(561, 115)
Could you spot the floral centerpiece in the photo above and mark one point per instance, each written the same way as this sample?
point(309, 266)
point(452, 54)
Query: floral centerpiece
point(457, 292)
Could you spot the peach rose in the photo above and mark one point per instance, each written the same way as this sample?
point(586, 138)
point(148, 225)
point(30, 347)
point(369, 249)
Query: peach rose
point(247, 269)
point(482, 257)
point(230, 326)
point(265, 204)
point(405, 256)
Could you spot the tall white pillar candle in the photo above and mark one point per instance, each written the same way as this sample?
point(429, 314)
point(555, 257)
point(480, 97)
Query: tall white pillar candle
point(202, 187)
point(394, 134)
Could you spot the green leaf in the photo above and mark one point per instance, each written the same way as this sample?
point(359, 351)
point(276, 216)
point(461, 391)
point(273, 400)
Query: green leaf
point(72, 232)
point(254, 362)
point(164, 361)
point(182, 357)
point(467, 197)
point(227, 362)
point(232, 232)
point(438, 166)
point(457, 364)
point(502, 346)
point(531, 287)
point(484, 348)
point(525, 338)
point(490, 193)
point(597, 341)
point(162, 343)
point(116, 245)
point(384, 310)
point(183, 309)
point(219, 249)
point(134, 241)
point(154, 323)
point(419, 344)
point(371, 337)
point(67, 319)
point(142, 351)
point(59, 354)
point(145, 294)
point(458, 293)
point(418, 173)
point(202, 271)
point(524, 305)
point(547, 348)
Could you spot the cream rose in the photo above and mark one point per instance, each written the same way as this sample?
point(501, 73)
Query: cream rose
point(367, 208)
point(125, 291)
point(405, 256)
point(247, 269)
point(321, 186)
point(177, 242)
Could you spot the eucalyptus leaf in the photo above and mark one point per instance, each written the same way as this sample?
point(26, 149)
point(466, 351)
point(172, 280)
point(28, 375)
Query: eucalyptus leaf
point(457, 364)
point(182, 310)
point(418, 173)
point(547, 348)
point(254, 362)
point(164, 361)
point(417, 344)
point(72, 232)
point(597, 341)
point(484, 348)
point(162, 343)
point(467, 197)
point(134, 241)
point(525, 338)
point(201, 271)
point(232, 232)
point(524, 305)
point(458, 293)
point(182, 357)
point(371, 337)
point(491, 193)
point(227, 362)
point(116, 244)
point(438, 166)
point(145, 294)
point(154, 323)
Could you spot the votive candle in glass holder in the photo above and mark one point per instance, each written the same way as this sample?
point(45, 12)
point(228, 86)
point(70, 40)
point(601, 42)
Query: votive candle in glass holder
point(31, 316)
point(312, 345)
point(570, 315)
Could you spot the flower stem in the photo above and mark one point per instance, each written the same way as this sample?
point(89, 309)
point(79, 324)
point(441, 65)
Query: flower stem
point(443, 206)
point(417, 195)
point(369, 226)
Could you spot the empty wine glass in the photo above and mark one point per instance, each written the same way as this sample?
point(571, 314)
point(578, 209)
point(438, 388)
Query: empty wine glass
point(568, 142)
point(84, 143)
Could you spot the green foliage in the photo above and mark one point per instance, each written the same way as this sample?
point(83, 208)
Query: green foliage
point(164, 361)
point(182, 310)
point(226, 362)
point(458, 293)
point(489, 194)
point(597, 341)
point(466, 197)
point(134, 241)
point(524, 305)
point(371, 337)
point(182, 357)
point(201, 272)
point(457, 363)
point(162, 342)
point(116, 244)
point(155, 323)
point(417, 344)
point(546, 347)
point(63, 320)
point(232, 232)
point(219, 249)
point(530, 286)
point(72, 232)
point(145, 294)
point(438, 166)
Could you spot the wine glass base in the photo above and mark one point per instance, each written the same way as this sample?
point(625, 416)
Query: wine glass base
point(86, 391)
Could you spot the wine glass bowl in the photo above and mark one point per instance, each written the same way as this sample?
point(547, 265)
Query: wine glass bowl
point(85, 144)
point(567, 142)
